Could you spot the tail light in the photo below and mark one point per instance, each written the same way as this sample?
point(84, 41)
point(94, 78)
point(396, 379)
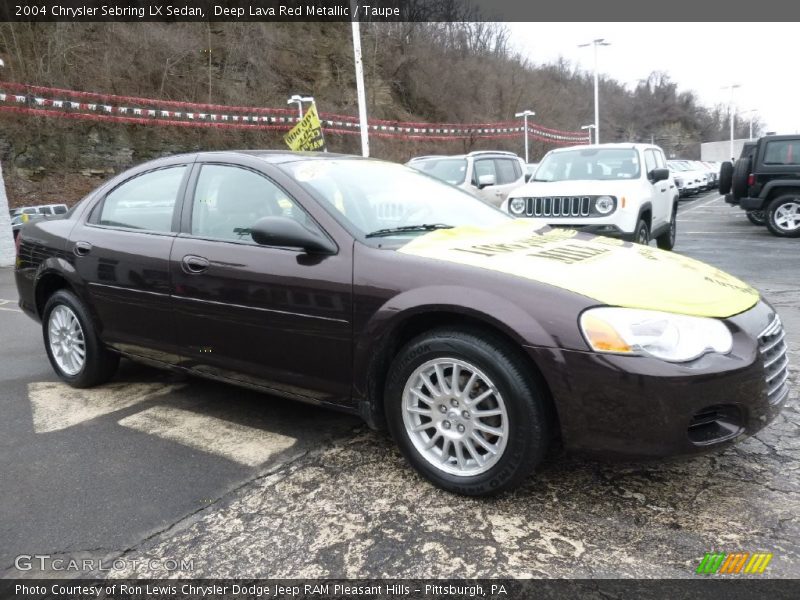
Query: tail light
point(751, 179)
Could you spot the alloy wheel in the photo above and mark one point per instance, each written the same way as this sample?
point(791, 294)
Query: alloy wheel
point(787, 216)
point(66, 339)
point(455, 416)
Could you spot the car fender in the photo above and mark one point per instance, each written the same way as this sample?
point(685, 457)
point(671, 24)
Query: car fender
point(374, 342)
point(777, 183)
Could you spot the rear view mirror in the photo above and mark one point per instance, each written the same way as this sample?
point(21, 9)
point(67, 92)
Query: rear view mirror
point(286, 232)
point(486, 181)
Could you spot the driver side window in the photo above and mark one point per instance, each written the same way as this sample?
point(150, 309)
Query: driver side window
point(483, 167)
point(229, 200)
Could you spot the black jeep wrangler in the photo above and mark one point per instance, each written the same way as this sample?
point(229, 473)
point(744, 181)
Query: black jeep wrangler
point(765, 181)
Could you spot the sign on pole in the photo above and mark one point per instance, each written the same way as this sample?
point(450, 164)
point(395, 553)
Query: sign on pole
point(307, 134)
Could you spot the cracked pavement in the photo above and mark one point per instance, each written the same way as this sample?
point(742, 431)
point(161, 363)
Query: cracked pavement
point(334, 499)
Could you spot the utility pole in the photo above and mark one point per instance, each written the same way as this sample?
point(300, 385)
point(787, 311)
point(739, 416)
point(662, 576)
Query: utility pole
point(362, 97)
point(298, 99)
point(595, 43)
point(731, 113)
point(589, 127)
point(525, 114)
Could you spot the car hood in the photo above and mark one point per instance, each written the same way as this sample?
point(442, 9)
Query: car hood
point(574, 188)
point(607, 270)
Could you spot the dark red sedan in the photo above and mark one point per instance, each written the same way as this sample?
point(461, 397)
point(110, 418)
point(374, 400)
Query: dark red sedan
point(373, 288)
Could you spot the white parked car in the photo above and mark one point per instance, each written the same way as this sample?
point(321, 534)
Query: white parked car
point(620, 190)
point(693, 178)
point(489, 175)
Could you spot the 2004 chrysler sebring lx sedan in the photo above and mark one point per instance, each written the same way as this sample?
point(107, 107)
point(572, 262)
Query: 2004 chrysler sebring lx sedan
point(370, 287)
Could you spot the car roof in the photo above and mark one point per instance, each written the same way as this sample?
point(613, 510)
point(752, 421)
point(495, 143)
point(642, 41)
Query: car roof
point(626, 145)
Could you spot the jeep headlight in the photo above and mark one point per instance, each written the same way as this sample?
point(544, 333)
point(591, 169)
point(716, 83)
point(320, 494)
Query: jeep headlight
point(604, 204)
point(516, 206)
point(668, 336)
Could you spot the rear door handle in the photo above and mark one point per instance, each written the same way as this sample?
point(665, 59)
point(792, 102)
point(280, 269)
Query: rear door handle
point(194, 264)
point(82, 248)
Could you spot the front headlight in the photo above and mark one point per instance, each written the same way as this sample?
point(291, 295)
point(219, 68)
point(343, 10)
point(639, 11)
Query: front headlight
point(604, 204)
point(516, 206)
point(668, 336)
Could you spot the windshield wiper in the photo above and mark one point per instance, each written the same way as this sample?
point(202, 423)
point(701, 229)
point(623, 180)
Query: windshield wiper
point(423, 227)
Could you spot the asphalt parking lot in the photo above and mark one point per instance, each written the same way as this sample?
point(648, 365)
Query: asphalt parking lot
point(153, 467)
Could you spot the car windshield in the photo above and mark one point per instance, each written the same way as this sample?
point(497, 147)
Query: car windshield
point(589, 164)
point(388, 200)
point(451, 170)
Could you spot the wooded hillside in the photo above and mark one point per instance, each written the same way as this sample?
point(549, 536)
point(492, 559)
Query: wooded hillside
point(427, 72)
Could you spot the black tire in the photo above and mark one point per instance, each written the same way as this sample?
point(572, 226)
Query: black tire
point(741, 171)
point(666, 241)
point(789, 203)
point(526, 405)
point(642, 233)
point(99, 363)
point(756, 217)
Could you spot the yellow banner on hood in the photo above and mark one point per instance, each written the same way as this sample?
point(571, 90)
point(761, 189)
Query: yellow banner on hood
point(608, 270)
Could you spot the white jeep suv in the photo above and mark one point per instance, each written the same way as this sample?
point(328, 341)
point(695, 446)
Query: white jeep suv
point(619, 190)
point(488, 174)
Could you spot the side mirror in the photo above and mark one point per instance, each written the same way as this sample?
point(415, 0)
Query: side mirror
point(657, 175)
point(486, 181)
point(282, 231)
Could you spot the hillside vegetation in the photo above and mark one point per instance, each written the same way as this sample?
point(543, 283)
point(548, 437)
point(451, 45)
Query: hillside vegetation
point(433, 72)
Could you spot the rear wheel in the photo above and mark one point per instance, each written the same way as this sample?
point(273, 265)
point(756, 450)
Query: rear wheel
point(465, 411)
point(756, 217)
point(70, 339)
point(783, 216)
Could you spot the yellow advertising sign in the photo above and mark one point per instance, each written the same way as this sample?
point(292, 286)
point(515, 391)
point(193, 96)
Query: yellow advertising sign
point(608, 270)
point(307, 134)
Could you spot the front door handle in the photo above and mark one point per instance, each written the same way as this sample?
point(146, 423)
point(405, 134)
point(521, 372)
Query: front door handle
point(82, 248)
point(663, 189)
point(194, 265)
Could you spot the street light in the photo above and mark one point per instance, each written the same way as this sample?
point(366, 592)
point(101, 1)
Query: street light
point(298, 99)
point(589, 127)
point(597, 42)
point(731, 114)
point(525, 114)
point(751, 112)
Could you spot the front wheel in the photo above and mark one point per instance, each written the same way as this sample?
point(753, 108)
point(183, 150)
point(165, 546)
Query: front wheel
point(466, 412)
point(642, 233)
point(73, 347)
point(666, 241)
point(783, 216)
point(756, 217)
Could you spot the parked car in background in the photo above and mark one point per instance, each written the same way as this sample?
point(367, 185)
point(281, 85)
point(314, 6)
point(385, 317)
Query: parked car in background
point(693, 180)
point(488, 175)
point(477, 339)
point(620, 190)
point(25, 214)
point(766, 183)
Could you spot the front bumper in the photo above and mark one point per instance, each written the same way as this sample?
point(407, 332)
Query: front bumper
point(641, 407)
point(751, 203)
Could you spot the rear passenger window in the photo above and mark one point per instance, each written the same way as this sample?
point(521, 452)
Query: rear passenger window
point(146, 202)
point(782, 153)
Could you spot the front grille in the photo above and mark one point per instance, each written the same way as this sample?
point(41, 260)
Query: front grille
point(558, 206)
point(772, 346)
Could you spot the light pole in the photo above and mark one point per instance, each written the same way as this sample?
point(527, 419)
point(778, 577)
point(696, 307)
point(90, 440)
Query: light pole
point(595, 43)
point(731, 114)
point(298, 99)
point(751, 112)
point(525, 114)
point(589, 127)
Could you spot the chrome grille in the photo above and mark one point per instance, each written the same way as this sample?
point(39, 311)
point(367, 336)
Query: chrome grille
point(558, 206)
point(772, 346)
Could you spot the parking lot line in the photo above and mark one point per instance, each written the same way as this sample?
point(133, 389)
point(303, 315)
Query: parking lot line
point(696, 206)
point(245, 445)
point(56, 405)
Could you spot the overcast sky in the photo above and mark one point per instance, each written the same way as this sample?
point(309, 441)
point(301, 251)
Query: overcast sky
point(702, 57)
